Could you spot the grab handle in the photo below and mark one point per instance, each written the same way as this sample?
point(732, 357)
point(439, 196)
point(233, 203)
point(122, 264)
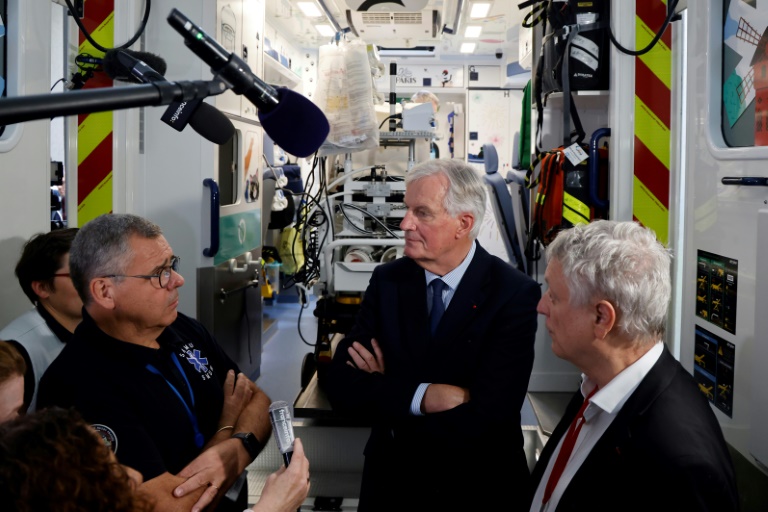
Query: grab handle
point(214, 247)
point(594, 167)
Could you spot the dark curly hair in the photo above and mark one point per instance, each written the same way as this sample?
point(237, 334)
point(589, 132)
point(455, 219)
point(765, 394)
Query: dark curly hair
point(52, 460)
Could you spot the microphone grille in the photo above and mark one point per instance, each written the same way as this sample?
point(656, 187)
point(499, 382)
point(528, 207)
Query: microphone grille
point(278, 405)
point(212, 124)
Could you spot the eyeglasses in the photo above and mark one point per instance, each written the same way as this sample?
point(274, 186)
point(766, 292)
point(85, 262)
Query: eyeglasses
point(163, 277)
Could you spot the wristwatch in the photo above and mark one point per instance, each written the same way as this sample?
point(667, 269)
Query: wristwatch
point(251, 443)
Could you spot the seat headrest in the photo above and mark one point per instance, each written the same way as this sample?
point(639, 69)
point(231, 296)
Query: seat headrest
point(491, 158)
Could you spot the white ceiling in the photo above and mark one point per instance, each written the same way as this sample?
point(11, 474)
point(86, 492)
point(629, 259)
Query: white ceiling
point(499, 29)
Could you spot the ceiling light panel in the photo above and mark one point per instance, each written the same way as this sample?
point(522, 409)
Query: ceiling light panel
point(309, 9)
point(325, 30)
point(480, 9)
point(473, 31)
point(468, 47)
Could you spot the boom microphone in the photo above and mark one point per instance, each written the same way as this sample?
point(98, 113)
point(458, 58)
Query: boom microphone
point(133, 66)
point(280, 416)
point(145, 67)
point(295, 123)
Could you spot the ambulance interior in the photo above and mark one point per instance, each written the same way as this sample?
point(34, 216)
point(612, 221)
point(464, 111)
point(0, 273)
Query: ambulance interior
point(278, 248)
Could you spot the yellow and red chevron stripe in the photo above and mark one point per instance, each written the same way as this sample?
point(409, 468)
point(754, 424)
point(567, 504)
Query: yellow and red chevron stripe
point(653, 72)
point(94, 131)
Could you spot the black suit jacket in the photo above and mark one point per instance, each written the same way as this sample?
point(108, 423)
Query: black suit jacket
point(485, 343)
point(664, 451)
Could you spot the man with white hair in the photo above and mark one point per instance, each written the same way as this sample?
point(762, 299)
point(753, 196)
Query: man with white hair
point(638, 435)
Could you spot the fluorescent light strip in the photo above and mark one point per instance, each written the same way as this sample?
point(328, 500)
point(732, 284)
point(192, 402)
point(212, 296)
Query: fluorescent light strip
point(479, 10)
point(473, 31)
point(467, 47)
point(325, 30)
point(309, 9)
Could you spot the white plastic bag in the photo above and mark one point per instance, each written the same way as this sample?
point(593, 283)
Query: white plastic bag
point(345, 94)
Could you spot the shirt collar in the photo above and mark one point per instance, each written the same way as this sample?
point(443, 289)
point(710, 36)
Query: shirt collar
point(453, 277)
point(58, 330)
point(614, 394)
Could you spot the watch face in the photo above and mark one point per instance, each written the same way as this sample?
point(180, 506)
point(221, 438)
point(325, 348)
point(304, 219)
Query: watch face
point(250, 442)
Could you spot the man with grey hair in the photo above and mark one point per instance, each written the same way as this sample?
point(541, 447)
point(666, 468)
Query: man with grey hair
point(638, 415)
point(154, 383)
point(443, 391)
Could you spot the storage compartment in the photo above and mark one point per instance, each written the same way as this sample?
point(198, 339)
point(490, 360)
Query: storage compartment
point(352, 277)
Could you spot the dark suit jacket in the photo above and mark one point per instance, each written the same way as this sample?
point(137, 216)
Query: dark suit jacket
point(485, 343)
point(664, 451)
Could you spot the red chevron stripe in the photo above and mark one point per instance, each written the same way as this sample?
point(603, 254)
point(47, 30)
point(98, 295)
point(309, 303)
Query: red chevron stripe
point(95, 14)
point(653, 92)
point(653, 15)
point(96, 166)
point(652, 173)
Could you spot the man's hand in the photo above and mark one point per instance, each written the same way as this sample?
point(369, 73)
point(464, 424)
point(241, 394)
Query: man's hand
point(214, 470)
point(158, 490)
point(237, 394)
point(442, 397)
point(287, 488)
point(364, 360)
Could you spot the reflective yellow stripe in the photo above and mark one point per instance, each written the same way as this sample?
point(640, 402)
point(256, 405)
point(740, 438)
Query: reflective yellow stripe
point(659, 57)
point(650, 211)
point(94, 129)
point(574, 210)
point(652, 132)
point(99, 201)
point(104, 34)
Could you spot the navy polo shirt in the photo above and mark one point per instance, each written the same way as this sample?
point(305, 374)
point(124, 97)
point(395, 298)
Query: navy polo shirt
point(139, 399)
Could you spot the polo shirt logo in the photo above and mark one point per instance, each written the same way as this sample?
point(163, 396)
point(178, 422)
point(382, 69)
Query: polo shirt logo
point(107, 435)
point(200, 363)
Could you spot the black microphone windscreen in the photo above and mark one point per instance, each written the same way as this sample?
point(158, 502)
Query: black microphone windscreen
point(117, 71)
point(296, 124)
point(212, 124)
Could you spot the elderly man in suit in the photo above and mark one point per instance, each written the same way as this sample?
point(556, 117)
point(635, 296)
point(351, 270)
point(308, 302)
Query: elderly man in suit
point(440, 357)
point(638, 435)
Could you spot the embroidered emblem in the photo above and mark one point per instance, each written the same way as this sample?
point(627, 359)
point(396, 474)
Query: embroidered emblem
point(107, 435)
point(200, 363)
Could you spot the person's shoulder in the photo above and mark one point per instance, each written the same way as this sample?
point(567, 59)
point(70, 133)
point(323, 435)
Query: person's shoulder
point(396, 266)
point(185, 324)
point(501, 268)
point(23, 325)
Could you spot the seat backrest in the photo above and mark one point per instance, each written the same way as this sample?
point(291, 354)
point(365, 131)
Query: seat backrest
point(502, 206)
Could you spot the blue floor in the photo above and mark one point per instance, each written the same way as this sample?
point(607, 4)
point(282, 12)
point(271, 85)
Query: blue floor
point(283, 351)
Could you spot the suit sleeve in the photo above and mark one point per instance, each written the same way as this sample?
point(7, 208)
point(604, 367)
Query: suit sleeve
point(498, 381)
point(351, 390)
point(493, 359)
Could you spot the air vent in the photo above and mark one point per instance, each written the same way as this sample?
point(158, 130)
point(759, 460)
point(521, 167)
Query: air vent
point(393, 18)
point(405, 29)
point(390, 6)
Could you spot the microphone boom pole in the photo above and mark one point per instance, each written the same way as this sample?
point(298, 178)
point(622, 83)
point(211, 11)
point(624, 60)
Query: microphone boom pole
point(46, 106)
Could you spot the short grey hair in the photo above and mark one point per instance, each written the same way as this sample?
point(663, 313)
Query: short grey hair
point(623, 263)
point(466, 190)
point(102, 247)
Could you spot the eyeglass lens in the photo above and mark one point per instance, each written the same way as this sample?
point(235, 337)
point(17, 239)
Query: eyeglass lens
point(165, 274)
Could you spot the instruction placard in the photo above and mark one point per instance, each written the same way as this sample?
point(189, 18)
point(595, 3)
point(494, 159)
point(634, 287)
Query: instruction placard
point(717, 278)
point(713, 368)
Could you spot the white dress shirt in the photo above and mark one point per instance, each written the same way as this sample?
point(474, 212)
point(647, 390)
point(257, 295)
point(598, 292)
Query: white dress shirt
point(603, 407)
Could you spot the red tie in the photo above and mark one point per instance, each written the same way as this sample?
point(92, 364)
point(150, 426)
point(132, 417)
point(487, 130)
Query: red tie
point(566, 449)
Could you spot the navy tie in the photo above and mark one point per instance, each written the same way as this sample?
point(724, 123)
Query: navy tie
point(438, 308)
